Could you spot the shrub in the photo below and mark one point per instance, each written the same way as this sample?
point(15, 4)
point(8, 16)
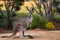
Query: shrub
point(50, 26)
point(38, 22)
point(54, 9)
point(2, 21)
point(58, 9)
point(19, 14)
point(57, 19)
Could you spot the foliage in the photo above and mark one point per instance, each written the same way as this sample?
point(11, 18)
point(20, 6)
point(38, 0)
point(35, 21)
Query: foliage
point(16, 16)
point(19, 14)
point(56, 3)
point(58, 9)
point(2, 21)
point(38, 22)
point(11, 7)
point(18, 3)
point(50, 26)
point(57, 19)
point(54, 10)
point(1, 5)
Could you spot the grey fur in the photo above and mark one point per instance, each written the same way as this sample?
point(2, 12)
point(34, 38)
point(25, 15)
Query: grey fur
point(22, 23)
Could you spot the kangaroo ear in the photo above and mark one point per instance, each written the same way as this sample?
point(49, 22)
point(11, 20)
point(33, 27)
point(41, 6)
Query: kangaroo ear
point(32, 9)
point(27, 8)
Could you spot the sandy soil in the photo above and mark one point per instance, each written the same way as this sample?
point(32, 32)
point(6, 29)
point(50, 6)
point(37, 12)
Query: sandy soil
point(37, 35)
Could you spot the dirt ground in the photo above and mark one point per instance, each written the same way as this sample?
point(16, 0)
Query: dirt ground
point(37, 35)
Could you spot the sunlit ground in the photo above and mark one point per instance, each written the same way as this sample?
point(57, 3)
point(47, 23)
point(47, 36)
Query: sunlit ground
point(37, 35)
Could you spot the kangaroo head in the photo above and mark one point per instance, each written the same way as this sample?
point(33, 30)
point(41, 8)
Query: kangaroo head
point(30, 11)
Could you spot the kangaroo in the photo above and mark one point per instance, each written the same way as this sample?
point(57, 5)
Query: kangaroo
point(22, 23)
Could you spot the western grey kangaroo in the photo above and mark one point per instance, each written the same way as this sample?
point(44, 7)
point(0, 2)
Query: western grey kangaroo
point(22, 23)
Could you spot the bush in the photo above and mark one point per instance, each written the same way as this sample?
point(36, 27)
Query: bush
point(19, 14)
point(2, 21)
point(50, 26)
point(38, 22)
point(58, 9)
point(57, 19)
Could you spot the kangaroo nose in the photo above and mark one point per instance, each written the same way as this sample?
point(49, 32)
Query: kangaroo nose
point(30, 15)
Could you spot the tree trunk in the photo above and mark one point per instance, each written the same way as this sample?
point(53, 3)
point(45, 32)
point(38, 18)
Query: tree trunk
point(38, 3)
point(9, 16)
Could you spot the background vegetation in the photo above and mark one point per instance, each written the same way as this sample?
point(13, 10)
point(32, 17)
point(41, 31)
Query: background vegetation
point(38, 22)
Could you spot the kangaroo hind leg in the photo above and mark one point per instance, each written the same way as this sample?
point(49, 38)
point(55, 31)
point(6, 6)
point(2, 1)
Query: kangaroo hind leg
point(15, 30)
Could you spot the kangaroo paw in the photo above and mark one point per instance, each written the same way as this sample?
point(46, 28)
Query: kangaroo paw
point(26, 36)
point(4, 37)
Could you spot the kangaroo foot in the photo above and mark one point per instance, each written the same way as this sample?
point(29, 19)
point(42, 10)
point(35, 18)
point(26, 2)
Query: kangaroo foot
point(4, 37)
point(26, 36)
point(12, 37)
